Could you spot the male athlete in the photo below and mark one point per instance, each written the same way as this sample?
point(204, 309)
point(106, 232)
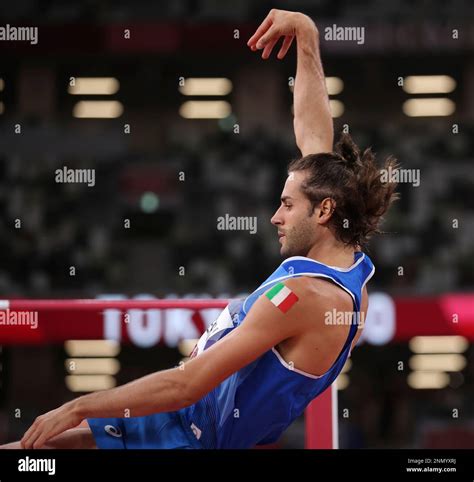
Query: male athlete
point(267, 357)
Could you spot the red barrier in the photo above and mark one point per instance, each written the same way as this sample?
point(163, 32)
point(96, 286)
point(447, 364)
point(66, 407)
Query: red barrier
point(58, 320)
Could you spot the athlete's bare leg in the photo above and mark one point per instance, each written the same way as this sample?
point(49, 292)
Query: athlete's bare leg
point(75, 438)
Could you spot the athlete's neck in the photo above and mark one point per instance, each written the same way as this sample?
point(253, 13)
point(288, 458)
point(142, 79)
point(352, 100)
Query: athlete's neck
point(333, 253)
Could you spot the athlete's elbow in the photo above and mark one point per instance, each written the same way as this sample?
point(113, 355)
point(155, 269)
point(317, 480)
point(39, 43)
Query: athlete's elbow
point(301, 136)
point(198, 388)
point(187, 396)
point(314, 145)
point(310, 141)
point(192, 394)
point(170, 391)
point(186, 392)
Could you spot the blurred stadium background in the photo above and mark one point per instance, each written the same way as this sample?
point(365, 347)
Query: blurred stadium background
point(172, 168)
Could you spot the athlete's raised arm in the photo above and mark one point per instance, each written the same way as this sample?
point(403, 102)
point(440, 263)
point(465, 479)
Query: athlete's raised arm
point(268, 323)
point(312, 116)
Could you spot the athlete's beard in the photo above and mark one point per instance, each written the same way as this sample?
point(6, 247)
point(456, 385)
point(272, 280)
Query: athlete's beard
point(298, 240)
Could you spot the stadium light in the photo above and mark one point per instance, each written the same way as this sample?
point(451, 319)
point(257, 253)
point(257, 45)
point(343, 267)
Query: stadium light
point(428, 380)
point(429, 84)
point(92, 366)
point(337, 108)
point(431, 107)
point(205, 109)
point(92, 348)
point(438, 344)
point(94, 86)
point(347, 366)
point(334, 85)
point(342, 381)
point(440, 361)
point(89, 383)
point(206, 86)
point(98, 109)
point(186, 346)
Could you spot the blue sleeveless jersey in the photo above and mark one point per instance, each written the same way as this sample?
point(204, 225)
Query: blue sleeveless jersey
point(257, 403)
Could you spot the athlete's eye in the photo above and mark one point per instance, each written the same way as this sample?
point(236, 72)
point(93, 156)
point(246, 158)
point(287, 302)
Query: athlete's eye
point(288, 206)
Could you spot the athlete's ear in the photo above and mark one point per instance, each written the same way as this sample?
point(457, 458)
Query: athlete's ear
point(325, 210)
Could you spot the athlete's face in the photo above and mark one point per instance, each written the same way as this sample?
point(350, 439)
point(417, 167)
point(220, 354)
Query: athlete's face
point(295, 220)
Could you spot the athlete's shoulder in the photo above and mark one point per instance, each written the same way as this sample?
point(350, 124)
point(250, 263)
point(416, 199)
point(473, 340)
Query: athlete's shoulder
point(313, 285)
point(319, 293)
point(302, 283)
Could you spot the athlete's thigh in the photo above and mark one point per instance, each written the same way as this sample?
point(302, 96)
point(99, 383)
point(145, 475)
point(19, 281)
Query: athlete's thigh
point(11, 446)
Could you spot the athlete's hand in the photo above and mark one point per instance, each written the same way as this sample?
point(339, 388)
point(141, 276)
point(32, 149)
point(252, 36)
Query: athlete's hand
point(49, 425)
point(279, 23)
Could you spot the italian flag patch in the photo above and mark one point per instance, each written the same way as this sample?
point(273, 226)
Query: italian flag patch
point(282, 297)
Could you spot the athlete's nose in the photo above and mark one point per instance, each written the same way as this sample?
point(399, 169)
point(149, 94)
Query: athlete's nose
point(276, 219)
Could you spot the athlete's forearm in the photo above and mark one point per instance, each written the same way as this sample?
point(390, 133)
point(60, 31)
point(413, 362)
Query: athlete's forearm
point(312, 116)
point(162, 391)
